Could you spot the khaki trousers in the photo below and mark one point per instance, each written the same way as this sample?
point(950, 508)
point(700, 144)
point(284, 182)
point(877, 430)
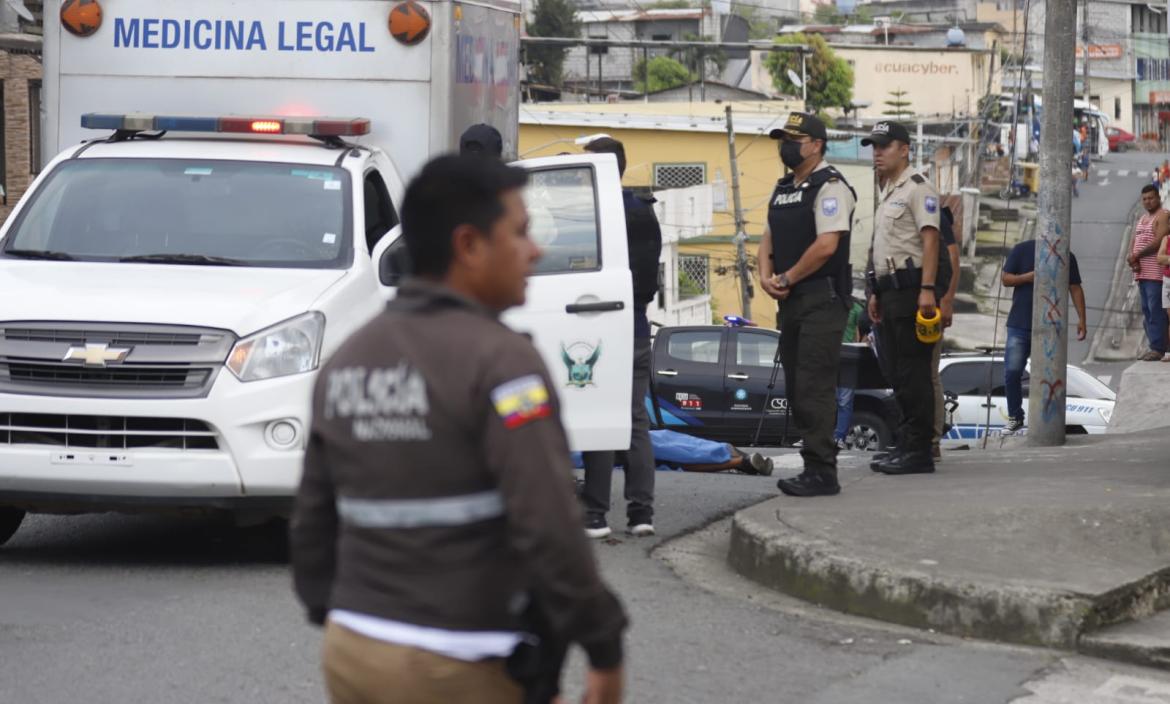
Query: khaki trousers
point(361, 670)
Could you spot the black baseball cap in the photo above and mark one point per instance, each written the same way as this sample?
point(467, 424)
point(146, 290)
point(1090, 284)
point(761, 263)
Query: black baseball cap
point(801, 124)
point(481, 139)
point(885, 132)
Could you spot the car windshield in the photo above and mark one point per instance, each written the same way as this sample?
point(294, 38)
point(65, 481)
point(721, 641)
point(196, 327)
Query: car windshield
point(180, 211)
point(1082, 384)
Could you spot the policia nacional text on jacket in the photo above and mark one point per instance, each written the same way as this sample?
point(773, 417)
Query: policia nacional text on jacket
point(437, 497)
point(804, 265)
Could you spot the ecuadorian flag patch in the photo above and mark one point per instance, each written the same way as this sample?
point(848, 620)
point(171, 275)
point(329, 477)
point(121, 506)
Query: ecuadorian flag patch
point(522, 400)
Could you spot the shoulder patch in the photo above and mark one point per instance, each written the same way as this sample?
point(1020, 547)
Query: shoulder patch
point(829, 207)
point(522, 401)
point(917, 178)
point(931, 204)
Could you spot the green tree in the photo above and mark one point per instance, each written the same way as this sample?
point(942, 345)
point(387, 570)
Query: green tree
point(830, 78)
point(898, 107)
point(672, 5)
point(759, 26)
point(664, 72)
point(551, 18)
point(712, 61)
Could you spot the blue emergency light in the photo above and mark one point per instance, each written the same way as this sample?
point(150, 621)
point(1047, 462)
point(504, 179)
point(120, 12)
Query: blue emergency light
point(737, 322)
point(316, 126)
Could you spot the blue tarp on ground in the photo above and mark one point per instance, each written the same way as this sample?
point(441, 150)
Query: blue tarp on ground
point(679, 448)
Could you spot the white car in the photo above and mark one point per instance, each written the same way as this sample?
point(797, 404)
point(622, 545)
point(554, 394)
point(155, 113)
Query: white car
point(1088, 404)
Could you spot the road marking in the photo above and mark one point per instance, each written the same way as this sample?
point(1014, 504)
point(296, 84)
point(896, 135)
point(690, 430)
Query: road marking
point(1103, 182)
point(1123, 173)
point(1104, 173)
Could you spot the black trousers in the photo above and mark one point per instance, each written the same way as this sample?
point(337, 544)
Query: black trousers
point(811, 327)
point(907, 364)
point(640, 458)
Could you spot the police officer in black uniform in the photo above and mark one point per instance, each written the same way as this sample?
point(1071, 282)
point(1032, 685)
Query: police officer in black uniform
point(804, 264)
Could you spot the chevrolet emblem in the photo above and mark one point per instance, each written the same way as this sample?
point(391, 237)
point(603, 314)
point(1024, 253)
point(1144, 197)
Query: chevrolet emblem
point(96, 355)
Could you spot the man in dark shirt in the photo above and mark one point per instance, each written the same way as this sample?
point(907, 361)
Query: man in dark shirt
point(1019, 272)
point(644, 238)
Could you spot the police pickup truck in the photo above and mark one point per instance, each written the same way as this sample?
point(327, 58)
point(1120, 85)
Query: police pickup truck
point(174, 277)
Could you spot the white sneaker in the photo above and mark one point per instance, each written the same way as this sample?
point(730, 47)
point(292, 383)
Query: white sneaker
point(640, 530)
point(597, 528)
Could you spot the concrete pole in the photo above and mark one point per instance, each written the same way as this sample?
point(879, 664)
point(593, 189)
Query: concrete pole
point(741, 266)
point(804, 79)
point(1085, 63)
point(1046, 411)
point(918, 148)
point(970, 218)
point(646, 78)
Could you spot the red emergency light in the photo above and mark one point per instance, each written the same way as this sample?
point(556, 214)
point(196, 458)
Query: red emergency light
point(317, 126)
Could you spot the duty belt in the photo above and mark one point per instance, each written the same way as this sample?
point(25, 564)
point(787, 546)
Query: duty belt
point(899, 279)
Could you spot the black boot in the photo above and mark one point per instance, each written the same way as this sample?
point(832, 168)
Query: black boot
point(885, 455)
point(919, 462)
point(810, 484)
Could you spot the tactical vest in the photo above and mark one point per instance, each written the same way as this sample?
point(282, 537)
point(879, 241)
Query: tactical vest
point(792, 220)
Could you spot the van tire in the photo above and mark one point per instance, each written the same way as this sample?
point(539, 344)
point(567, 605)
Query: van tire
point(10, 520)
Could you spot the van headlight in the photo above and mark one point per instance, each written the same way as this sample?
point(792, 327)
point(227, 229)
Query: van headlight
point(1106, 413)
point(291, 347)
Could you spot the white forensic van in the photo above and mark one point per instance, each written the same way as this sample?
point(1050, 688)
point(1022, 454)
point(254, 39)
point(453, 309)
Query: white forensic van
point(171, 285)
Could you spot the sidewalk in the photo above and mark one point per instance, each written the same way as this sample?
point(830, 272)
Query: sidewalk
point(1026, 545)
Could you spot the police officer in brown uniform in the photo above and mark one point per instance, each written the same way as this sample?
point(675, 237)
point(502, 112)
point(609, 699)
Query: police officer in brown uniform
point(437, 497)
point(903, 279)
point(804, 264)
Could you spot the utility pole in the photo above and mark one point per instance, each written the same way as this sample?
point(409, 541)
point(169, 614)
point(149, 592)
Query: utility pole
point(804, 79)
point(741, 265)
point(1046, 411)
point(1085, 61)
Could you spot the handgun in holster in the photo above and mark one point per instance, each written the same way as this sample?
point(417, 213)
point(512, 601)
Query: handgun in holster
point(843, 285)
point(537, 662)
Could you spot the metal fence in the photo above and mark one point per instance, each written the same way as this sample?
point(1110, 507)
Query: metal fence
point(694, 275)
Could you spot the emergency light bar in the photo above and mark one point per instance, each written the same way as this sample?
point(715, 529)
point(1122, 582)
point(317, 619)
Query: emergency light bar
point(319, 127)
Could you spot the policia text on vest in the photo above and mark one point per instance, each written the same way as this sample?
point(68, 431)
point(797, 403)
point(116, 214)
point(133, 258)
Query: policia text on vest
point(905, 272)
point(804, 265)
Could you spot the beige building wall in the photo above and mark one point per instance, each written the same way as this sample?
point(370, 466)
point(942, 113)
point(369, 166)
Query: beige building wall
point(936, 81)
point(1109, 94)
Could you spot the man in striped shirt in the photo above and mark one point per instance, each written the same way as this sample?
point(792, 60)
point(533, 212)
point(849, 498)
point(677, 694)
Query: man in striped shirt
point(1150, 232)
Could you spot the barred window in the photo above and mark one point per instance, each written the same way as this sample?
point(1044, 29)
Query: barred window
point(693, 275)
point(679, 175)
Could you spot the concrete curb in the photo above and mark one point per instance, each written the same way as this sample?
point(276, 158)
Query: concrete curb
point(767, 550)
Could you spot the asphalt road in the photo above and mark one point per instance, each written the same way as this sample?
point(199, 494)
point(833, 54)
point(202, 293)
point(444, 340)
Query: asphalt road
point(147, 609)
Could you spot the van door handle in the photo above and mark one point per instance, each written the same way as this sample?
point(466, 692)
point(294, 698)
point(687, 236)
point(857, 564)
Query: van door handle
point(667, 372)
point(738, 377)
point(598, 307)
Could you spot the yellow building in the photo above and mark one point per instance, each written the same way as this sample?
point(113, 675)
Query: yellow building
point(672, 145)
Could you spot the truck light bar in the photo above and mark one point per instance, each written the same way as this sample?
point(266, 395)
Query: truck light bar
point(321, 127)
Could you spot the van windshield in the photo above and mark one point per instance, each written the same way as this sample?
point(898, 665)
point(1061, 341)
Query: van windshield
point(181, 211)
